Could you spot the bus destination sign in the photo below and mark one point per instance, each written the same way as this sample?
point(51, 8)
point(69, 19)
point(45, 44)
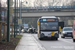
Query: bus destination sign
point(48, 20)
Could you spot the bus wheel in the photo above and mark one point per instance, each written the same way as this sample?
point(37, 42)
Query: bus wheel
point(56, 39)
point(73, 40)
point(40, 38)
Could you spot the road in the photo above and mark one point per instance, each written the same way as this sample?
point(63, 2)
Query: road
point(61, 44)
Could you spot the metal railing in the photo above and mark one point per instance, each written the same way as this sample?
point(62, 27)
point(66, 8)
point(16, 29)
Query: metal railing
point(46, 8)
point(50, 7)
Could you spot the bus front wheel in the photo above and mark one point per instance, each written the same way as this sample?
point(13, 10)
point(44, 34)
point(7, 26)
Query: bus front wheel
point(73, 40)
point(56, 38)
point(40, 38)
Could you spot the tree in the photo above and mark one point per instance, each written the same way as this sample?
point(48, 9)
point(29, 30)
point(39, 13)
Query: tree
point(72, 3)
point(39, 2)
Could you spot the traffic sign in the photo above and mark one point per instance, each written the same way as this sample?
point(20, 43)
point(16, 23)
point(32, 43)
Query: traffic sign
point(19, 21)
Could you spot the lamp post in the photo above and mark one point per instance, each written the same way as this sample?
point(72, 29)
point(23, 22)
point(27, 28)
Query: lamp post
point(8, 19)
point(20, 14)
point(16, 16)
point(15, 19)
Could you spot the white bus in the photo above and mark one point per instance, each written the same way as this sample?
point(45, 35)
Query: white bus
point(48, 27)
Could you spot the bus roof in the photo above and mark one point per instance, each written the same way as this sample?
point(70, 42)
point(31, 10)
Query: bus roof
point(48, 17)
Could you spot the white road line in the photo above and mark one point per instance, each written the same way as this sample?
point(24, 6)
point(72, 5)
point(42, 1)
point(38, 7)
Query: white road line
point(67, 41)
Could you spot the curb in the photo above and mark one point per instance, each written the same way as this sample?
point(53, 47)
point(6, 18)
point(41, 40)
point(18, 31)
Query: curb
point(39, 45)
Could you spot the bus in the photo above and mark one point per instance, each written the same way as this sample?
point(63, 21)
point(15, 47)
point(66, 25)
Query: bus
point(48, 27)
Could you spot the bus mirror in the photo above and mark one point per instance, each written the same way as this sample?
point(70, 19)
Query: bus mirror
point(59, 28)
point(38, 23)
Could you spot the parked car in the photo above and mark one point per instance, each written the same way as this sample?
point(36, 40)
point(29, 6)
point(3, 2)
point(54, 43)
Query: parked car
point(67, 32)
point(24, 30)
point(17, 31)
point(30, 30)
point(74, 31)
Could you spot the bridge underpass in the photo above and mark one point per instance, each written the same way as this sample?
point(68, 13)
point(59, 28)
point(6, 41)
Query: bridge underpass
point(32, 20)
point(38, 14)
point(65, 15)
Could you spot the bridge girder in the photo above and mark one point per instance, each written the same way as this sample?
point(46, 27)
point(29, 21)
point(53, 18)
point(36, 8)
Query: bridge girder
point(60, 14)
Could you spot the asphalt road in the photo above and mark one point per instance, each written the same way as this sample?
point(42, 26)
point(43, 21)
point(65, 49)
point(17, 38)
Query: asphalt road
point(62, 43)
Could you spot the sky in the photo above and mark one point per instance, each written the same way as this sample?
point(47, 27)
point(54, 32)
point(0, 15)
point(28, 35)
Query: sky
point(3, 0)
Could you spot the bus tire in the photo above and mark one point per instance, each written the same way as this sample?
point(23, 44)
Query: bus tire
point(73, 40)
point(40, 38)
point(56, 38)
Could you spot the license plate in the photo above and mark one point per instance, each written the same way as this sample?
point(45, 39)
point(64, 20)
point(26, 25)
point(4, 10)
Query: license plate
point(49, 36)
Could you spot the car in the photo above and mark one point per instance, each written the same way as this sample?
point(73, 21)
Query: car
point(16, 30)
point(67, 32)
point(24, 30)
point(74, 31)
point(30, 30)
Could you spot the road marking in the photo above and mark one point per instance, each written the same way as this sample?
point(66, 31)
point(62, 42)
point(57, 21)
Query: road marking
point(67, 41)
point(63, 47)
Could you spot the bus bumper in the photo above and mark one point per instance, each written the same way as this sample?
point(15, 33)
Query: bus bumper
point(55, 36)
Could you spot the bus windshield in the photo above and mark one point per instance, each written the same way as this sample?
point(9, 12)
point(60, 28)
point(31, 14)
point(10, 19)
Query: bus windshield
point(49, 25)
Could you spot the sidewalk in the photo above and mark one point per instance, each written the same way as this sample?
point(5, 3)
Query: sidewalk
point(28, 42)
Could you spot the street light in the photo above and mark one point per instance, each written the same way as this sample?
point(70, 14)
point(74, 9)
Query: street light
point(15, 19)
point(20, 14)
point(8, 19)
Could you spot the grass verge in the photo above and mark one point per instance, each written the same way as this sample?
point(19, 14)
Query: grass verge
point(12, 44)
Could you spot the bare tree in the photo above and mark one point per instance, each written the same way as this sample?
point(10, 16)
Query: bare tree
point(39, 2)
point(72, 3)
point(50, 2)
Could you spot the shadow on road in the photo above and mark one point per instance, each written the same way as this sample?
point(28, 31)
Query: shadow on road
point(49, 40)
